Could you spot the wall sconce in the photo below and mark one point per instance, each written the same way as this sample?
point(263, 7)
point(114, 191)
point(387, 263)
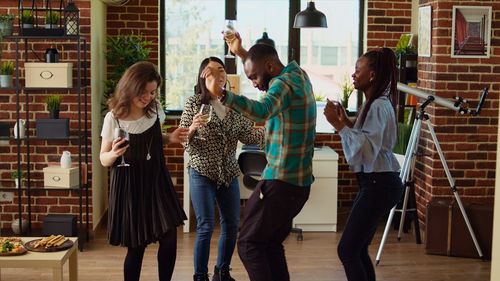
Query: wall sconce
point(71, 19)
point(310, 17)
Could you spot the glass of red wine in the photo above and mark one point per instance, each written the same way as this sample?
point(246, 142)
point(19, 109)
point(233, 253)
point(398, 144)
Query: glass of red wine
point(122, 134)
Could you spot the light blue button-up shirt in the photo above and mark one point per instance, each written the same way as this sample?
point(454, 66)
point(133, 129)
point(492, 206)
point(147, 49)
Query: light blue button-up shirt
point(369, 148)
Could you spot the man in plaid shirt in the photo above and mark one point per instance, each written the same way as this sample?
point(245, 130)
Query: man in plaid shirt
point(289, 110)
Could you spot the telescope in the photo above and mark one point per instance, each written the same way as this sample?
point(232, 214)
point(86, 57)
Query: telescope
point(460, 105)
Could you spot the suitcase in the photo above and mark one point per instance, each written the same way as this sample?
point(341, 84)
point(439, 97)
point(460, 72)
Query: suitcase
point(447, 233)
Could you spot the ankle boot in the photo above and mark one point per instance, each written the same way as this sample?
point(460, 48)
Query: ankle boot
point(200, 277)
point(222, 275)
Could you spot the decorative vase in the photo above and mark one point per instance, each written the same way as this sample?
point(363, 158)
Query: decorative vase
point(22, 129)
point(17, 182)
point(66, 160)
point(15, 226)
point(6, 81)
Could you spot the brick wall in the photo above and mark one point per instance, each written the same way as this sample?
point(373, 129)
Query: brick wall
point(387, 20)
point(41, 151)
point(469, 143)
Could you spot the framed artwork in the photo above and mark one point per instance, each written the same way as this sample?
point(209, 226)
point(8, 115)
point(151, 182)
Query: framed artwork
point(471, 31)
point(424, 31)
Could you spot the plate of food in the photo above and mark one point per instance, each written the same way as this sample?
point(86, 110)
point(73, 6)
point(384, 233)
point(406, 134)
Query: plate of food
point(51, 243)
point(11, 246)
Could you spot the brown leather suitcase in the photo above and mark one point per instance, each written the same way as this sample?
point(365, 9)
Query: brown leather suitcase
point(447, 233)
point(437, 227)
point(481, 220)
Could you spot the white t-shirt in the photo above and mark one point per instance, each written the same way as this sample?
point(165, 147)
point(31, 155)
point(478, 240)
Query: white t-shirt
point(132, 126)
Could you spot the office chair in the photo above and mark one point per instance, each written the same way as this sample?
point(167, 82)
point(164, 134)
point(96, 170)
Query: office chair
point(252, 163)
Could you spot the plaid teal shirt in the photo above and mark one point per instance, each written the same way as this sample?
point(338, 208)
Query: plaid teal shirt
point(289, 110)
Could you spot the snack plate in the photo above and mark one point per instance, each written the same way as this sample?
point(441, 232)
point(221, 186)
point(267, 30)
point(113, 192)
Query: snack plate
point(22, 252)
point(30, 246)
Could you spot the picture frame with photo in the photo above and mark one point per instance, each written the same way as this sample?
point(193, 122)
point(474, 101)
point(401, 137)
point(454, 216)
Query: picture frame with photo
point(471, 32)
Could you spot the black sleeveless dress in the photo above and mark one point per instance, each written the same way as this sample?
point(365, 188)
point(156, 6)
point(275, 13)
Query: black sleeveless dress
point(143, 204)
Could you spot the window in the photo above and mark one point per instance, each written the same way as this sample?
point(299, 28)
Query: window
point(329, 54)
point(191, 32)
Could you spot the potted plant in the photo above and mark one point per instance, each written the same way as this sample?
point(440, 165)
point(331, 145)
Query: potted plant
point(17, 175)
point(6, 72)
point(53, 127)
point(122, 51)
point(405, 47)
point(6, 23)
point(404, 132)
point(27, 19)
point(53, 105)
point(347, 89)
point(52, 19)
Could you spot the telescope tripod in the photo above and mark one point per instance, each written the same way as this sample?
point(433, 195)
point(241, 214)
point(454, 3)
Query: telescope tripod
point(406, 176)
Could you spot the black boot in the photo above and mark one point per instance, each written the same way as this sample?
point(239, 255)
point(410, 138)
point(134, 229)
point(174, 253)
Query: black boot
point(200, 277)
point(222, 275)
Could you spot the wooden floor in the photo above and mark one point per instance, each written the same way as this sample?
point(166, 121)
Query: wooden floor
point(313, 259)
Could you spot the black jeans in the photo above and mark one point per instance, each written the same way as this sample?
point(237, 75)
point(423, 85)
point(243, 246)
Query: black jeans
point(266, 225)
point(378, 193)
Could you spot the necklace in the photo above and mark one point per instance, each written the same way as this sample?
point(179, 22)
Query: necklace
point(148, 155)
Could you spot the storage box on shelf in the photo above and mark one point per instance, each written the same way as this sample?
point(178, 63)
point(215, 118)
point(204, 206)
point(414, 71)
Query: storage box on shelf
point(59, 224)
point(37, 78)
point(55, 177)
point(48, 75)
point(52, 128)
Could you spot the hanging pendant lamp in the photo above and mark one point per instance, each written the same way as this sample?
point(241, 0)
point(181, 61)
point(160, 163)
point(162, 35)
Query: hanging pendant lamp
point(310, 17)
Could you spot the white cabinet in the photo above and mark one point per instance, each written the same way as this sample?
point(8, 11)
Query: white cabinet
point(320, 211)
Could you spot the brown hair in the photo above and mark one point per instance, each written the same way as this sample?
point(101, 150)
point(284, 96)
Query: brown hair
point(382, 61)
point(201, 88)
point(131, 85)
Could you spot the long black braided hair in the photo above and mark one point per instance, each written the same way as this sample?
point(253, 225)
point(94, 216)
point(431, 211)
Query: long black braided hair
point(382, 61)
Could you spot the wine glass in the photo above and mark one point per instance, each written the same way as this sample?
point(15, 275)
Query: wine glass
point(206, 114)
point(122, 134)
point(229, 34)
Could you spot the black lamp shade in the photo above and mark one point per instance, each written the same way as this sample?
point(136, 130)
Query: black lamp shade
point(310, 17)
point(266, 40)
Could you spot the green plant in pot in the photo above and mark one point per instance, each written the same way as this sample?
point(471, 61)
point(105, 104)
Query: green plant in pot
point(6, 72)
point(122, 51)
point(27, 18)
point(17, 175)
point(404, 47)
point(347, 89)
point(53, 105)
point(6, 23)
point(52, 19)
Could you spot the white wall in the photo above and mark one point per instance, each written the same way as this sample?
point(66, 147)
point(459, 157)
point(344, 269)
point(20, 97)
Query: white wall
point(98, 75)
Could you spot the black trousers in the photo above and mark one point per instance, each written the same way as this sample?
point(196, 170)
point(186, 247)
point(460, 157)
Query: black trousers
point(267, 223)
point(378, 193)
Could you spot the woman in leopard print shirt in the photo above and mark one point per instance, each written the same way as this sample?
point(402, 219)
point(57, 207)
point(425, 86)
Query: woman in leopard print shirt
point(214, 171)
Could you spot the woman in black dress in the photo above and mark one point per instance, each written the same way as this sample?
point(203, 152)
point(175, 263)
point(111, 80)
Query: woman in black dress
point(143, 205)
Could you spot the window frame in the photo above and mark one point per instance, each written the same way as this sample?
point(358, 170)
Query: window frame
point(293, 41)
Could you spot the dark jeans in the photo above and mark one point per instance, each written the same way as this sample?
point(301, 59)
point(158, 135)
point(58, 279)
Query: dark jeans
point(266, 225)
point(378, 193)
point(204, 194)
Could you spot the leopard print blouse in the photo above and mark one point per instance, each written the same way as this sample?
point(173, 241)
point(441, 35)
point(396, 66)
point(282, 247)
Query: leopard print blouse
point(215, 157)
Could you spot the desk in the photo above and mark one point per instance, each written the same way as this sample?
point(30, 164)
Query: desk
point(54, 260)
point(320, 211)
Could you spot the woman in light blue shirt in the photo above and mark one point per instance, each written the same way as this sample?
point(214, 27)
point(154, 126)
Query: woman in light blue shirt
point(367, 145)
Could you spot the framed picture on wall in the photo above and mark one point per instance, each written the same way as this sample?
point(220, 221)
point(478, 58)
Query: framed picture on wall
point(424, 31)
point(471, 31)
